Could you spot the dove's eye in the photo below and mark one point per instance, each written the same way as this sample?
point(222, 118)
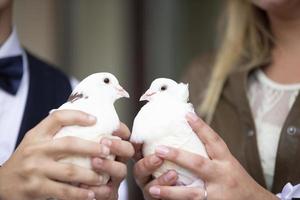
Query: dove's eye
point(163, 88)
point(106, 80)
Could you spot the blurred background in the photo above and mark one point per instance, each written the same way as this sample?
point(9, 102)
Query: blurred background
point(137, 40)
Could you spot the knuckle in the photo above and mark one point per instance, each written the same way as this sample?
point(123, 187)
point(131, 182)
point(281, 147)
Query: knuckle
point(70, 172)
point(216, 138)
point(56, 116)
point(30, 134)
point(231, 182)
point(130, 150)
point(104, 193)
point(69, 141)
point(199, 162)
point(28, 151)
point(122, 171)
point(146, 163)
point(174, 153)
point(195, 194)
point(29, 168)
point(32, 187)
point(164, 192)
point(65, 193)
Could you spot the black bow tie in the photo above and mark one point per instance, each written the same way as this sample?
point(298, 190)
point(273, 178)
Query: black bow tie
point(11, 71)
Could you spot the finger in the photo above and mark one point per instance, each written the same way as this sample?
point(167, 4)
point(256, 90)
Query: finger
point(167, 179)
point(193, 162)
point(119, 148)
point(65, 191)
point(116, 170)
point(176, 192)
point(51, 124)
point(69, 145)
point(214, 144)
point(143, 169)
point(122, 132)
point(71, 174)
point(102, 192)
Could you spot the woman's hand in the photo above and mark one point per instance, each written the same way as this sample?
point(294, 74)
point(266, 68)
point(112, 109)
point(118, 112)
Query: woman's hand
point(143, 170)
point(223, 175)
point(33, 172)
point(116, 169)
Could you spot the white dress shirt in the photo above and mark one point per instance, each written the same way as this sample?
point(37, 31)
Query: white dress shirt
point(12, 106)
point(270, 104)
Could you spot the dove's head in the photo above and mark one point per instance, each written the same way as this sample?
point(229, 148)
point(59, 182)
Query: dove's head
point(161, 87)
point(100, 85)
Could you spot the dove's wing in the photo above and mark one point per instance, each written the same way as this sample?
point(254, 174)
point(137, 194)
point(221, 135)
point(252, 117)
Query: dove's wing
point(107, 120)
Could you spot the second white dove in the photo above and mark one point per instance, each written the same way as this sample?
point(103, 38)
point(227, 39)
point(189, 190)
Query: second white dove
point(162, 122)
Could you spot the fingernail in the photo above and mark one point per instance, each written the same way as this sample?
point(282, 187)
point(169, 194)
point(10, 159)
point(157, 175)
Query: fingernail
point(106, 142)
point(155, 160)
point(99, 162)
point(192, 117)
point(91, 118)
point(162, 150)
point(170, 176)
point(104, 150)
point(91, 195)
point(154, 191)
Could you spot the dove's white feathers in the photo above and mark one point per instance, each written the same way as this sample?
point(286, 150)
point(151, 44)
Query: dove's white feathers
point(96, 97)
point(162, 121)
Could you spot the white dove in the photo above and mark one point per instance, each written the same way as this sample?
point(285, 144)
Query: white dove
point(162, 122)
point(95, 95)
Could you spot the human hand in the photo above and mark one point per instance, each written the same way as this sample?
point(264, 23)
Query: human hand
point(223, 175)
point(33, 172)
point(116, 169)
point(143, 170)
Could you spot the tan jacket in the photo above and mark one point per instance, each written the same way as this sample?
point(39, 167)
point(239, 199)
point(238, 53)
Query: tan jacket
point(234, 122)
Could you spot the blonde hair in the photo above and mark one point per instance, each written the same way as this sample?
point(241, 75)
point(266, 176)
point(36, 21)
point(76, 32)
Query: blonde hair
point(246, 36)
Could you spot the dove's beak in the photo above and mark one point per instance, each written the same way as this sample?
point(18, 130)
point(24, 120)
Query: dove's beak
point(121, 92)
point(147, 96)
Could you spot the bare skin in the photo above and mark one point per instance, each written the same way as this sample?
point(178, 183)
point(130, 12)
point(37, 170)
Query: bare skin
point(33, 172)
point(5, 19)
point(284, 17)
point(224, 177)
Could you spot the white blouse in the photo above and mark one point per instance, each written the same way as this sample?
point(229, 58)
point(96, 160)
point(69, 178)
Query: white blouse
point(270, 103)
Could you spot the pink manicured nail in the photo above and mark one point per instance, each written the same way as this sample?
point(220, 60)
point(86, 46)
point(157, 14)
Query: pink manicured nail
point(162, 151)
point(169, 176)
point(154, 191)
point(106, 142)
point(98, 162)
point(91, 195)
point(192, 117)
point(104, 150)
point(92, 118)
point(155, 160)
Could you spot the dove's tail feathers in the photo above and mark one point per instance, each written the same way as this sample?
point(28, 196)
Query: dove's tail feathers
point(183, 91)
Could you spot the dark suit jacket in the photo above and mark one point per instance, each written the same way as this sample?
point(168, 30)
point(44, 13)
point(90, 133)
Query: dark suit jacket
point(48, 89)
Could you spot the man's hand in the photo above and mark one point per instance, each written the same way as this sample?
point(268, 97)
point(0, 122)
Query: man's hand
point(116, 169)
point(33, 172)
